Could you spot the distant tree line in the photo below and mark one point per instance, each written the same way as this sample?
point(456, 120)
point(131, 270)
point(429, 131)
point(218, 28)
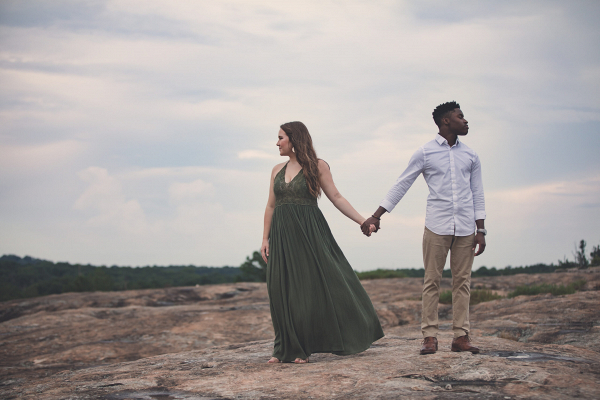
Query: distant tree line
point(30, 277)
point(482, 271)
point(581, 261)
point(254, 269)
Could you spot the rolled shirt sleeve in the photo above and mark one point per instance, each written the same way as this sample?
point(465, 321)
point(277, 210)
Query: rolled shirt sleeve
point(404, 181)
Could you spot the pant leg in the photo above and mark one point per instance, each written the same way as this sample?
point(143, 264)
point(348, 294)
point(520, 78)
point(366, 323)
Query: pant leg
point(461, 262)
point(435, 251)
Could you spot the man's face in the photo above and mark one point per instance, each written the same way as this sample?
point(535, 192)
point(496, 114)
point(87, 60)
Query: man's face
point(457, 122)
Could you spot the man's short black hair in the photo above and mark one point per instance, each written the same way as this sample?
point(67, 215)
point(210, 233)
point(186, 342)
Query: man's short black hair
point(441, 110)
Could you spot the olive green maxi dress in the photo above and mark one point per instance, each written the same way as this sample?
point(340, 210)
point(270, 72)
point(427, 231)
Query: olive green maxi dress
point(317, 302)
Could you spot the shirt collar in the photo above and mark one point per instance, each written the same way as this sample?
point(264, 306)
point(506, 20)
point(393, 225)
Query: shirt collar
point(441, 140)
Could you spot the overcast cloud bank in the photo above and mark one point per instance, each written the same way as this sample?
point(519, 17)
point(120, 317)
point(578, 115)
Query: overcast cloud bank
point(139, 133)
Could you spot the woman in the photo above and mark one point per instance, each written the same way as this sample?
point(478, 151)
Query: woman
point(317, 303)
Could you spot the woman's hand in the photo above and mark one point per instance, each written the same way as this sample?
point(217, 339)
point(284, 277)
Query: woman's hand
point(264, 249)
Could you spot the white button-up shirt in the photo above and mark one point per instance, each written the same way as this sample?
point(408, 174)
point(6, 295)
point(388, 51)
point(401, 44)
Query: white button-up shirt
point(453, 175)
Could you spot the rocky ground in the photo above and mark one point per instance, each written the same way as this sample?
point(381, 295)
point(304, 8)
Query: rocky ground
point(211, 342)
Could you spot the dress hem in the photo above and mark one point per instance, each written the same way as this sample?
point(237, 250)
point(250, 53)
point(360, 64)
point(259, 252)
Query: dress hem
point(337, 353)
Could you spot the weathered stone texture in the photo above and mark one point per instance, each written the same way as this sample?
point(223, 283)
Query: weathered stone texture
point(212, 342)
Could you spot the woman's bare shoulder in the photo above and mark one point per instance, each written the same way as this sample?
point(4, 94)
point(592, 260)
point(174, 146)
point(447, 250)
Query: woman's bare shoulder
point(323, 165)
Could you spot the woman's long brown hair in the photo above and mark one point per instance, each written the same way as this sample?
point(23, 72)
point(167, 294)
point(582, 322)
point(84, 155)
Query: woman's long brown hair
point(305, 154)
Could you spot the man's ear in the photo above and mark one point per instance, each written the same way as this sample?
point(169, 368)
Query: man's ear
point(446, 118)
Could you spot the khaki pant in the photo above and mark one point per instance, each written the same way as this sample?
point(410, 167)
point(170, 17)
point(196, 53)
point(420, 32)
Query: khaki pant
point(435, 251)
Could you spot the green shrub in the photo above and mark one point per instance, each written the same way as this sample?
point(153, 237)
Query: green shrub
point(253, 269)
point(555, 290)
point(446, 297)
point(579, 284)
point(381, 274)
point(483, 295)
point(477, 296)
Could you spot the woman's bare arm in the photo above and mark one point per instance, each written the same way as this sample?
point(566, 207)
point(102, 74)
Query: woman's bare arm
point(264, 248)
point(334, 195)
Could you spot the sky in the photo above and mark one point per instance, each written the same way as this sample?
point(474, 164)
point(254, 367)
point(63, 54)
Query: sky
point(143, 132)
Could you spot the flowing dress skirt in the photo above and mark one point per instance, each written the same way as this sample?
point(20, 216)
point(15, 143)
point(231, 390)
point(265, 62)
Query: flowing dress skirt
point(317, 302)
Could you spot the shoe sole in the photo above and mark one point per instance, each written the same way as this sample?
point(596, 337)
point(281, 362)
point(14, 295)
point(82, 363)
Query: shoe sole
point(460, 351)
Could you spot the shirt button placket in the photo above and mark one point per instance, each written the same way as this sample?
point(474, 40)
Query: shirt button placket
point(453, 175)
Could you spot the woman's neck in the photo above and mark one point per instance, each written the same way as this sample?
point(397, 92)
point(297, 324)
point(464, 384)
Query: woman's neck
point(293, 159)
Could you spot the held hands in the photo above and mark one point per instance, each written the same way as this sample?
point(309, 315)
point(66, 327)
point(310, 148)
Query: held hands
point(369, 226)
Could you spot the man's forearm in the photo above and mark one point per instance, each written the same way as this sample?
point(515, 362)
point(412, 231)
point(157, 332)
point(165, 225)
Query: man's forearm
point(480, 223)
point(380, 211)
point(404, 181)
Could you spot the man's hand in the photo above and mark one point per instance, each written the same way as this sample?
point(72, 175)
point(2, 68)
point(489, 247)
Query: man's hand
point(366, 226)
point(479, 240)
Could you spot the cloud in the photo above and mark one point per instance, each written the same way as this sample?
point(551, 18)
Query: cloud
point(565, 201)
point(18, 13)
point(169, 215)
point(192, 191)
point(539, 221)
point(104, 198)
point(20, 160)
point(148, 128)
point(249, 154)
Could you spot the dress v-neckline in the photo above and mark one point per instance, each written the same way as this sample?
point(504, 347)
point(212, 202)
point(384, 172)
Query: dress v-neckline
point(284, 171)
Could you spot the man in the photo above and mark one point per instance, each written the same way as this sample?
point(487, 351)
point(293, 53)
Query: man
point(454, 221)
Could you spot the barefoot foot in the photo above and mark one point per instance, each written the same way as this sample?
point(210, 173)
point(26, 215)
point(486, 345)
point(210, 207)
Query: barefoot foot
point(301, 361)
point(273, 360)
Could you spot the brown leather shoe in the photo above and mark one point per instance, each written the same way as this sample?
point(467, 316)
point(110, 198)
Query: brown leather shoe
point(463, 343)
point(430, 345)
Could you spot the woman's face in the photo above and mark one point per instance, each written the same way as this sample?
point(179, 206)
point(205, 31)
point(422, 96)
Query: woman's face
point(284, 144)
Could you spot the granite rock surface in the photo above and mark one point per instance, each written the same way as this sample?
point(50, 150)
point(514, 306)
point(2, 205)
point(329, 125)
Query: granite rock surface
point(211, 342)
